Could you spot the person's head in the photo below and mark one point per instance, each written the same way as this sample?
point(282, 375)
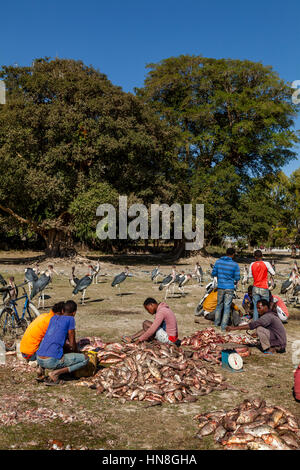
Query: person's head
point(263, 306)
point(151, 305)
point(257, 254)
point(70, 308)
point(58, 308)
point(230, 252)
point(250, 291)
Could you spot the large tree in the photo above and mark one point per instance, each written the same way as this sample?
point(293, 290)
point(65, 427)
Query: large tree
point(65, 131)
point(236, 111)
point(236, 122)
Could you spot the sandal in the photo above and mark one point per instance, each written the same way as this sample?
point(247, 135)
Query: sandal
point(268, 352)
point(41, 379)
point(50, 382)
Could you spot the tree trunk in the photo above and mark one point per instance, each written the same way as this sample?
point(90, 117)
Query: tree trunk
point(59, 244)
point(181, 252)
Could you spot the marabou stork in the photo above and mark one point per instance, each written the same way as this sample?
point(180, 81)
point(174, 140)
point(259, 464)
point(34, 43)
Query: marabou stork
point(12, 292)
point(120, 278)
point(94, 272)
point(168, 281)
point(198, 273)
point(288, 286)
point(245, 278)
point(2, 280)
point(30, 276)
point(73, 280)
point(155, 273)
point(82, 285)
point(184, 279)
point(40, 285)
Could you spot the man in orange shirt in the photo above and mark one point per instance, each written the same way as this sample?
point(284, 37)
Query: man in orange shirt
point(35, 332)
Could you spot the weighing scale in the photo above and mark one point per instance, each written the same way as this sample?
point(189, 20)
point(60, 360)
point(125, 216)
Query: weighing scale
point(232, 361)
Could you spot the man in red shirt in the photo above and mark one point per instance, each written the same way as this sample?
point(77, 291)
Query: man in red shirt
point(259, 271)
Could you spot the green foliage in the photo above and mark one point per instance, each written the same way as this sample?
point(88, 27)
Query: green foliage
point(232, 110)
point(64, 129)
point(83, 209)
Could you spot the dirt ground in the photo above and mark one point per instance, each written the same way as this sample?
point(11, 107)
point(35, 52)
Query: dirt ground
point(33, 415)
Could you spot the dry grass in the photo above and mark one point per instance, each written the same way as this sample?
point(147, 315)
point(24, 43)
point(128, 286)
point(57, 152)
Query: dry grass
point(131, 425)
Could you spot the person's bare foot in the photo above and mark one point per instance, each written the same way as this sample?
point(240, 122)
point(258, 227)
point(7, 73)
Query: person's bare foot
point(53, 377)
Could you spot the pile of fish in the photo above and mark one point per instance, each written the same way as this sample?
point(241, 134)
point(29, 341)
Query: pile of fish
point(252, 425)
point(152, 372)
point(206, 343)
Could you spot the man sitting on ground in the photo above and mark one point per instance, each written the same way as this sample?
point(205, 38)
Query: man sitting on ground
point(34, 334)
point(163, 328)
point(269, 329)
point(210, 305)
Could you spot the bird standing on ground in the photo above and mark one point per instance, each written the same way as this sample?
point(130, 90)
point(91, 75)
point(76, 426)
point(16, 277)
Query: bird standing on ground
point(245, 277)
point(73, 279)
point(30, 276)
point(198, 272)
point(94, 272)
point(184, 279)
point(82, 285)
point(2, 280)
point(12, 292)
point(168, 281)
point(120, 278)
point(155, 273)
point(42, 282)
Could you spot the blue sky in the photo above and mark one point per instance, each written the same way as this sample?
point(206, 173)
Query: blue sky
point(121, 36)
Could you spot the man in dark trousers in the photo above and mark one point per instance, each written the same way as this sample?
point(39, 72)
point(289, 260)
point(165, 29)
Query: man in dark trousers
point(259, 271)
point(227, 272)
point(269, 329)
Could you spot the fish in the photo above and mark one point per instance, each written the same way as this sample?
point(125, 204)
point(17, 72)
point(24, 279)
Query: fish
point(241, 438)
point(275, 442)
point(219, 433)
point(290, 441)
point(209, 428)
point(258, 445)
point(154, 371)
point(257, 431)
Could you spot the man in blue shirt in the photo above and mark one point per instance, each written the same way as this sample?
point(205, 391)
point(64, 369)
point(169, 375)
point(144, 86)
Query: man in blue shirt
point(227, 272)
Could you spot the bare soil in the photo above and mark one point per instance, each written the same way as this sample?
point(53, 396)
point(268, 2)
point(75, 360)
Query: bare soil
point(33, 415)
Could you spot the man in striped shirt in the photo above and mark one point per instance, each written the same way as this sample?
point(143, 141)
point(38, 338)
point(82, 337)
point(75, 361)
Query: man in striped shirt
point(227, 272)
point(259, 271)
